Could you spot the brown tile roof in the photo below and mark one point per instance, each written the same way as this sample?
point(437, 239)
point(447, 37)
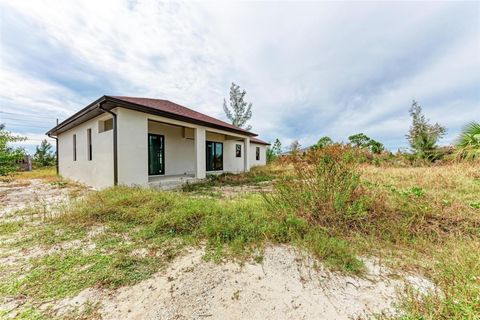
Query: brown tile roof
point(255, 140)
point(174, 108)
point(154, 106)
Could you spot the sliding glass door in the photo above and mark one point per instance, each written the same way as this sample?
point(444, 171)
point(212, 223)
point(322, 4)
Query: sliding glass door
point(214, 156)
point(156, 154)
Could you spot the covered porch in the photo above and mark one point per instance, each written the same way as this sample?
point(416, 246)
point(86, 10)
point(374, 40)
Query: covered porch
point(180, 152)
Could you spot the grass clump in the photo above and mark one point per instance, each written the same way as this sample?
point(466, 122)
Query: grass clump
point(143, 229)
point(456, 274)
point(228, 227)
point(325, 189)
point(422, 215)
point(255, 176)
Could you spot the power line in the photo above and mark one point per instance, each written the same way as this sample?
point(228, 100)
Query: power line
point(29, 121)
point(26, 115)
point(8, 126)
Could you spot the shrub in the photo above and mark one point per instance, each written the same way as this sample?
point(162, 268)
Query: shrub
point(468, 144)
point(422, 135)
point(9, 156)
point(325, 188)
point(44, 156)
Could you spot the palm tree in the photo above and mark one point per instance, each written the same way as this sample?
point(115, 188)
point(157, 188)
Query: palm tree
point(468, 144)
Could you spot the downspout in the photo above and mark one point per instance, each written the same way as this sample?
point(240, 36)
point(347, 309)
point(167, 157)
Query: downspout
point(56, 151)
point(115, 153)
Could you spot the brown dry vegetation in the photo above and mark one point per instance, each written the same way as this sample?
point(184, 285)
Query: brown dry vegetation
point(424, 220)
point(417, 218)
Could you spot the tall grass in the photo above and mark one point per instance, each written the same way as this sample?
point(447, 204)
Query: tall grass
point(425, 214)
point(228, 227)
point(325, 189)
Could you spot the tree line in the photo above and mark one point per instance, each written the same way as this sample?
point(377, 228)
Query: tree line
point(422, 137)
point(11, 157)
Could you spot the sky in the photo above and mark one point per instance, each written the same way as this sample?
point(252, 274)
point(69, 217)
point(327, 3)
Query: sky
point(310, 68)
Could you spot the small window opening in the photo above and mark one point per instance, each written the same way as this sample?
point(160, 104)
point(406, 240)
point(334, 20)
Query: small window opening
point(257, 153)
point(89, 143)
point(74, 147)
point(105, 125)
point(238, 150)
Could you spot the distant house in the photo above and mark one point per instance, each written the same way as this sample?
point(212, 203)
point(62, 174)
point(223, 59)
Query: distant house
point(140, 141)
point(299, 151)
point(25, 164)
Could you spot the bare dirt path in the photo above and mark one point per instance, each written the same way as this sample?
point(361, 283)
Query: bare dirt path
point(285, 285)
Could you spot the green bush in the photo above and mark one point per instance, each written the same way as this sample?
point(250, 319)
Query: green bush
point(325, 189)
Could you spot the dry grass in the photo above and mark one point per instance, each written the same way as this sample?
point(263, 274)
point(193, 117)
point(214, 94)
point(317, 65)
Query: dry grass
point(422, 219)
point(47, 174)
point(447, 196)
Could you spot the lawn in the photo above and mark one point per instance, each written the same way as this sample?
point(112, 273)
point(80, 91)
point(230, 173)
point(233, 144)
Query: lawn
point(424, 219)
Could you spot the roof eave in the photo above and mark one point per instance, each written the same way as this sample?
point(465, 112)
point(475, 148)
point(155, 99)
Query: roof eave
point(138, 107)
point(170, 115)
point(77, 115)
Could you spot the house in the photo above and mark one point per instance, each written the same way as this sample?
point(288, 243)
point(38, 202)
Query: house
point(140, 142)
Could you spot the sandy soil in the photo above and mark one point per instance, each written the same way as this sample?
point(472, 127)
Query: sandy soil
point(285, 285)
point(235, 191)
point(22, 194)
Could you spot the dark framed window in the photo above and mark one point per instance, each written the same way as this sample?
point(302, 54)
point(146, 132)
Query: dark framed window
point(214, 156)
point(257, 153)
point(156, 154)
point(74, 147)
point(238, 150)
point(89, 144)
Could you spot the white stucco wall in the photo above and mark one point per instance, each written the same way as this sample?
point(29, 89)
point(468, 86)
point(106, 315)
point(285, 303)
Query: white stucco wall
point(133, 129)
point(97, 172)
point(230, 162)
point(179, 150)
point(263, 154)
point(132, 147)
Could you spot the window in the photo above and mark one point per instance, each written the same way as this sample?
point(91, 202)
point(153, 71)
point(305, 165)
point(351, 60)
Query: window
point(105, 125)
point(156, 154)
point(257, 153)
point(74, 147)
point(214, 156)
point(89, 144)
point(238, 150)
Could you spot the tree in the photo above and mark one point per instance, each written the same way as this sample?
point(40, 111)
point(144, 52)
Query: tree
point(375, 146)
point(240, 111)
point(44, 155)
point(277, 147)
point(361, 140)
point(295, 147)
point(9, 156)
point(274, 151)
point(468, 144)
point(323, 142)
point(422, 135)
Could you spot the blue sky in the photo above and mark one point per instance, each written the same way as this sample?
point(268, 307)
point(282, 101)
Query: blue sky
point(310, 68)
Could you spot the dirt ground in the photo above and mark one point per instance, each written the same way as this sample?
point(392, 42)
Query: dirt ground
point(286, 284)
point(21, 194)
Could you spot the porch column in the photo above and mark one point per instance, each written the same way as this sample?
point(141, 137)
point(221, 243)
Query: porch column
point(200, 156)
point(246, 158)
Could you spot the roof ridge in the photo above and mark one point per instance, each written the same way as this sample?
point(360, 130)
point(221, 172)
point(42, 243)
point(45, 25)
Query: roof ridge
point(137, 100)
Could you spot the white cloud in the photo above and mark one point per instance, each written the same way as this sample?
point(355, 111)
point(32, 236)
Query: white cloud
point(310, 68)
